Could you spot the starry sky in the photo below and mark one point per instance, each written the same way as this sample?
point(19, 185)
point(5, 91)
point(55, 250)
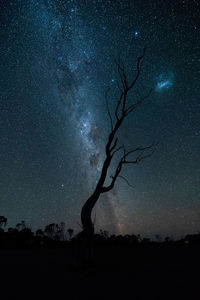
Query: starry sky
point(56, 61)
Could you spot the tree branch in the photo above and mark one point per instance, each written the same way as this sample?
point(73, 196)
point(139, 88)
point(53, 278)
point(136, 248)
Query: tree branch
point(140, 157)
point(123, 160)
point(114, 145)
point(127, 87)
point(139, 149)
point(118, 105)
point(108, 110)
point(122, 74)
point(118, 149)
point(117, 172)
point(126, 180)
point(139, 61)
point(138, 103)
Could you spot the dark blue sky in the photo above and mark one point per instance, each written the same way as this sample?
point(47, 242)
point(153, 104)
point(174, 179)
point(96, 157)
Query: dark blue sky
point(56, 61)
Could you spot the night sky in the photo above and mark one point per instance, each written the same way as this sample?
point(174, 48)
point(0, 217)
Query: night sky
point(56, 61)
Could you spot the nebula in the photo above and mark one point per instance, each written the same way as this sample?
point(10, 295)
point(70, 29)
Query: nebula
point(164, 81)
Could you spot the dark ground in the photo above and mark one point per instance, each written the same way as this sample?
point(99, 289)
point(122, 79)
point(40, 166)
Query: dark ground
point(120, 272)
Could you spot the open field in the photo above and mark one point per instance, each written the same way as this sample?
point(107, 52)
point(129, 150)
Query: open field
point(140, 272)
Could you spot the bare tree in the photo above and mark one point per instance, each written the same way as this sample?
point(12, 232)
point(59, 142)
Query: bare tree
point(127, 157)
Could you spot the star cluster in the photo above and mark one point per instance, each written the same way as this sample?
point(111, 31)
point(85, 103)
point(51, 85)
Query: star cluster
point(57, 61)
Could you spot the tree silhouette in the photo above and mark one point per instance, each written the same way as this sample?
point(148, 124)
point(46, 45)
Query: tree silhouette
point(61, 231)
point(133, 156)
point(21, 226)
point(39, 232)
point(3, 221)
point(51, 230)
point(70, 232)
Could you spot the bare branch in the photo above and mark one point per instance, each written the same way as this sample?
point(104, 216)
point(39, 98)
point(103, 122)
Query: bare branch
point(148, 155)
point(120, 72)
point(117, 150)
point(108, 110)
point(127, 87)
point(140, 157)
point(139, 61)
point(118, 105)
point(138, 103)
point(114, 145)
point(117, 172)
point(126, 180)
point(139, 149)
point(124, 81)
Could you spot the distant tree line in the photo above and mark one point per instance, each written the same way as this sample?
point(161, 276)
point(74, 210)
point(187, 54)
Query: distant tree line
point(58, 235)
point(22, 235)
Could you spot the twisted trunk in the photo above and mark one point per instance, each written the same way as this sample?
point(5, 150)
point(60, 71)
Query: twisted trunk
point(87, 234)
point(87, 211)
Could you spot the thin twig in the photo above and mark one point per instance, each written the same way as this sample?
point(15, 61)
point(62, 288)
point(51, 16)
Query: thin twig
point(108, 110)
point(126, 180)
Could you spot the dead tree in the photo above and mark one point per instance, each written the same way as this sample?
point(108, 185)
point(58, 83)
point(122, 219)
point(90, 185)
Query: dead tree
point(133, 156)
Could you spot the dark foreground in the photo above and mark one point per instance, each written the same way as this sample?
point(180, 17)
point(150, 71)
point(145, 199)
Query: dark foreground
point(120, 272)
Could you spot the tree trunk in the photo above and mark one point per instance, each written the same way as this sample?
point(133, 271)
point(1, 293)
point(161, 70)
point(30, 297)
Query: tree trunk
point(86, 213)
point(85, 251)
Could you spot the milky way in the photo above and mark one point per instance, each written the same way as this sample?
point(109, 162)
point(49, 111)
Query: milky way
point(57, 60)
